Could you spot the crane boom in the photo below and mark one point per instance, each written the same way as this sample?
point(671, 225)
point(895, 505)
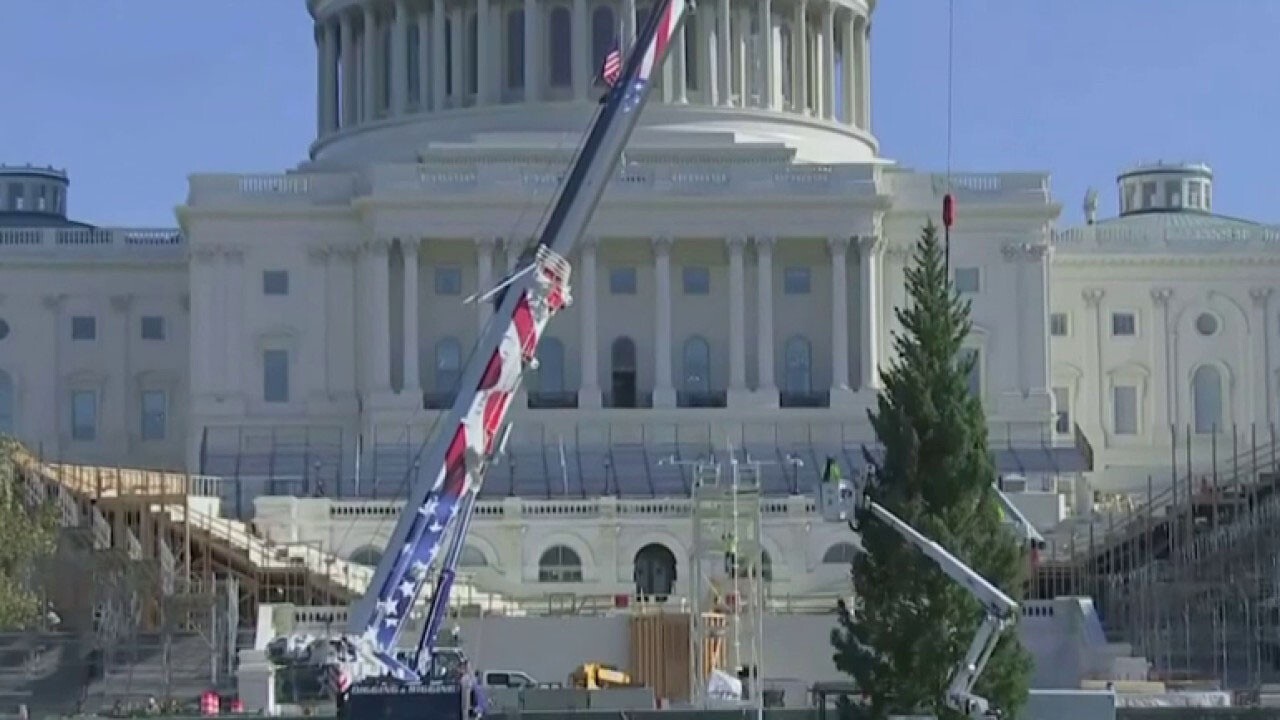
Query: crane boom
point(471, 432)
point(838, 499)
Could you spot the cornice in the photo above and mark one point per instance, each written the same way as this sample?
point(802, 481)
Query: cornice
point(1155, 260)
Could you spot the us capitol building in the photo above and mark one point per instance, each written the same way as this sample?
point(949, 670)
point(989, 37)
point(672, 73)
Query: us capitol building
point(301, 332)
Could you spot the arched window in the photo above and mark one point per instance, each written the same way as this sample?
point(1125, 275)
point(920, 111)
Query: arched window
point(473, 55)
point(7, 419)
point(1206, 399)
point(549, 377)
point(654, 570)
point(515, 49)
point(471, 557)
point(560, 34)
point(840, 554)
point(798, 365)
point(622, 355)
point(448, 364)
point(697, 365)
point(788, 72)
point(560, 564)
point(604, 34)
point(367, 555)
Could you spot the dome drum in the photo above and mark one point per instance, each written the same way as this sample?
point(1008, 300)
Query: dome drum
point(391, 63)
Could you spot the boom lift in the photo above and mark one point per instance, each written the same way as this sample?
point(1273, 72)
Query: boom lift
point(838, 501)
point(475, 430)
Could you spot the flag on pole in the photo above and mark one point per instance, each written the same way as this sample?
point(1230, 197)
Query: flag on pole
point(612, 68)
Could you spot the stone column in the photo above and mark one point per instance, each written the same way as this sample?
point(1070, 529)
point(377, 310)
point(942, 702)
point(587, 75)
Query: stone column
point(315, 355)
point(232, 314)
point(202, 321)
point(122, 305)
point(59, 416)
point(347, 40)
point(629, 25)
point(839, 248)
point(852, 65)
point(532, 65)
point(764, 335)
point(423, 21)
point(1260, 349)
point(864, 75)
point(768, 83)
point(742, 31)
point(1093, 301)
point(679, 88)
point(737, 318)
point(664, 394)
point(438, 80)
point(869, 259)
point(706, 55)
point(369, 81)
point(399, 59)
point(457, 25)
point(484, 274)
point(828, 60)
point(582, 70)
point(380, 284)
point(800, 58)
point(724, 51)
point(1163, 409)
point(485, 75)
point(412, 385)
point(589, 390)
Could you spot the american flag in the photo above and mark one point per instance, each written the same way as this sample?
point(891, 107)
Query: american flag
point(612, 68)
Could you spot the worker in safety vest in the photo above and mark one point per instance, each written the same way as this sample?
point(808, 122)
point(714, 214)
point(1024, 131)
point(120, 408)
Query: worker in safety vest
point(831, 473)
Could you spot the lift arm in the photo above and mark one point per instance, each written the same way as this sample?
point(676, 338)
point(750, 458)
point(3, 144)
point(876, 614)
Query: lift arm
point(1000, 611)
point(472, 430)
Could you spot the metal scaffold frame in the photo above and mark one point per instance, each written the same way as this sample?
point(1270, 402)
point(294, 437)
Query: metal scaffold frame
point(728, 576)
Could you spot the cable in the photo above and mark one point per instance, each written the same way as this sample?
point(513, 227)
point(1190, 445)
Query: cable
point(948, 203)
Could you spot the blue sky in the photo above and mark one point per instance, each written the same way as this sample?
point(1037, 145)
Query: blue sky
point(132, 96)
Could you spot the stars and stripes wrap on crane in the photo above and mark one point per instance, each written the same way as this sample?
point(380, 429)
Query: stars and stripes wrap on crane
point(654, 53)
point(470, 448)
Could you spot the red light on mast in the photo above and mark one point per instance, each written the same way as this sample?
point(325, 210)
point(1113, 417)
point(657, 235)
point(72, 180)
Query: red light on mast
point(948, 211)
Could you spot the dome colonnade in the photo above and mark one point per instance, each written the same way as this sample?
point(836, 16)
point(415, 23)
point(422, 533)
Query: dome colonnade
point(382, 59)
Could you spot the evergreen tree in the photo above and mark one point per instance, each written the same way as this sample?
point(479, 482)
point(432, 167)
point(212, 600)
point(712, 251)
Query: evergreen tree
point(910, 624)
point(27, 537)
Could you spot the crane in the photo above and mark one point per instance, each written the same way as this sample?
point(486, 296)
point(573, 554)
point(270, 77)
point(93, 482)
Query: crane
point(475, 430)
point(838, 500)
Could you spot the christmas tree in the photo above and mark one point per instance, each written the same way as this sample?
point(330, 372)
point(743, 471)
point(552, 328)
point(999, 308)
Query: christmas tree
point(910, 625)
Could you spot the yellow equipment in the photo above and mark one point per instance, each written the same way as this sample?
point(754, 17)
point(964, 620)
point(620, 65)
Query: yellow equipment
point(594, 676)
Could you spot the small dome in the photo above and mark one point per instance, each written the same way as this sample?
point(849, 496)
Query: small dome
point(1166, 187)
point(31, 190)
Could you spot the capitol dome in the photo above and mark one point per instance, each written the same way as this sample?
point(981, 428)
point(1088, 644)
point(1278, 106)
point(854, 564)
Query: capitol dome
point(395, 77)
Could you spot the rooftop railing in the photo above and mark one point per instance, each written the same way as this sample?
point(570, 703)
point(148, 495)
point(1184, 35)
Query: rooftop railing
point(158, 242)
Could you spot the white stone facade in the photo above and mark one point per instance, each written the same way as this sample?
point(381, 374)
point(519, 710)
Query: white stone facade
point(736, 287)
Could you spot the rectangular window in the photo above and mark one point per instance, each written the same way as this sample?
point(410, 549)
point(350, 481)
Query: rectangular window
point(449, 280)
point(973, 355)
point(1062, 411)
point(622, 281)
point(1124, 411)
point(275, 376)
point(84, 327)
point(968, 280)
point(696, 279)
point(152, 327)
point(84, 415)
point(797, 281)
point(275, 282)
point(154, 408)
point(1124, 324)
point(1058, 324)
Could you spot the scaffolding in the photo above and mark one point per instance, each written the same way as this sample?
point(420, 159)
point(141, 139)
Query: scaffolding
point(728, 576)
point(1187, 569)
